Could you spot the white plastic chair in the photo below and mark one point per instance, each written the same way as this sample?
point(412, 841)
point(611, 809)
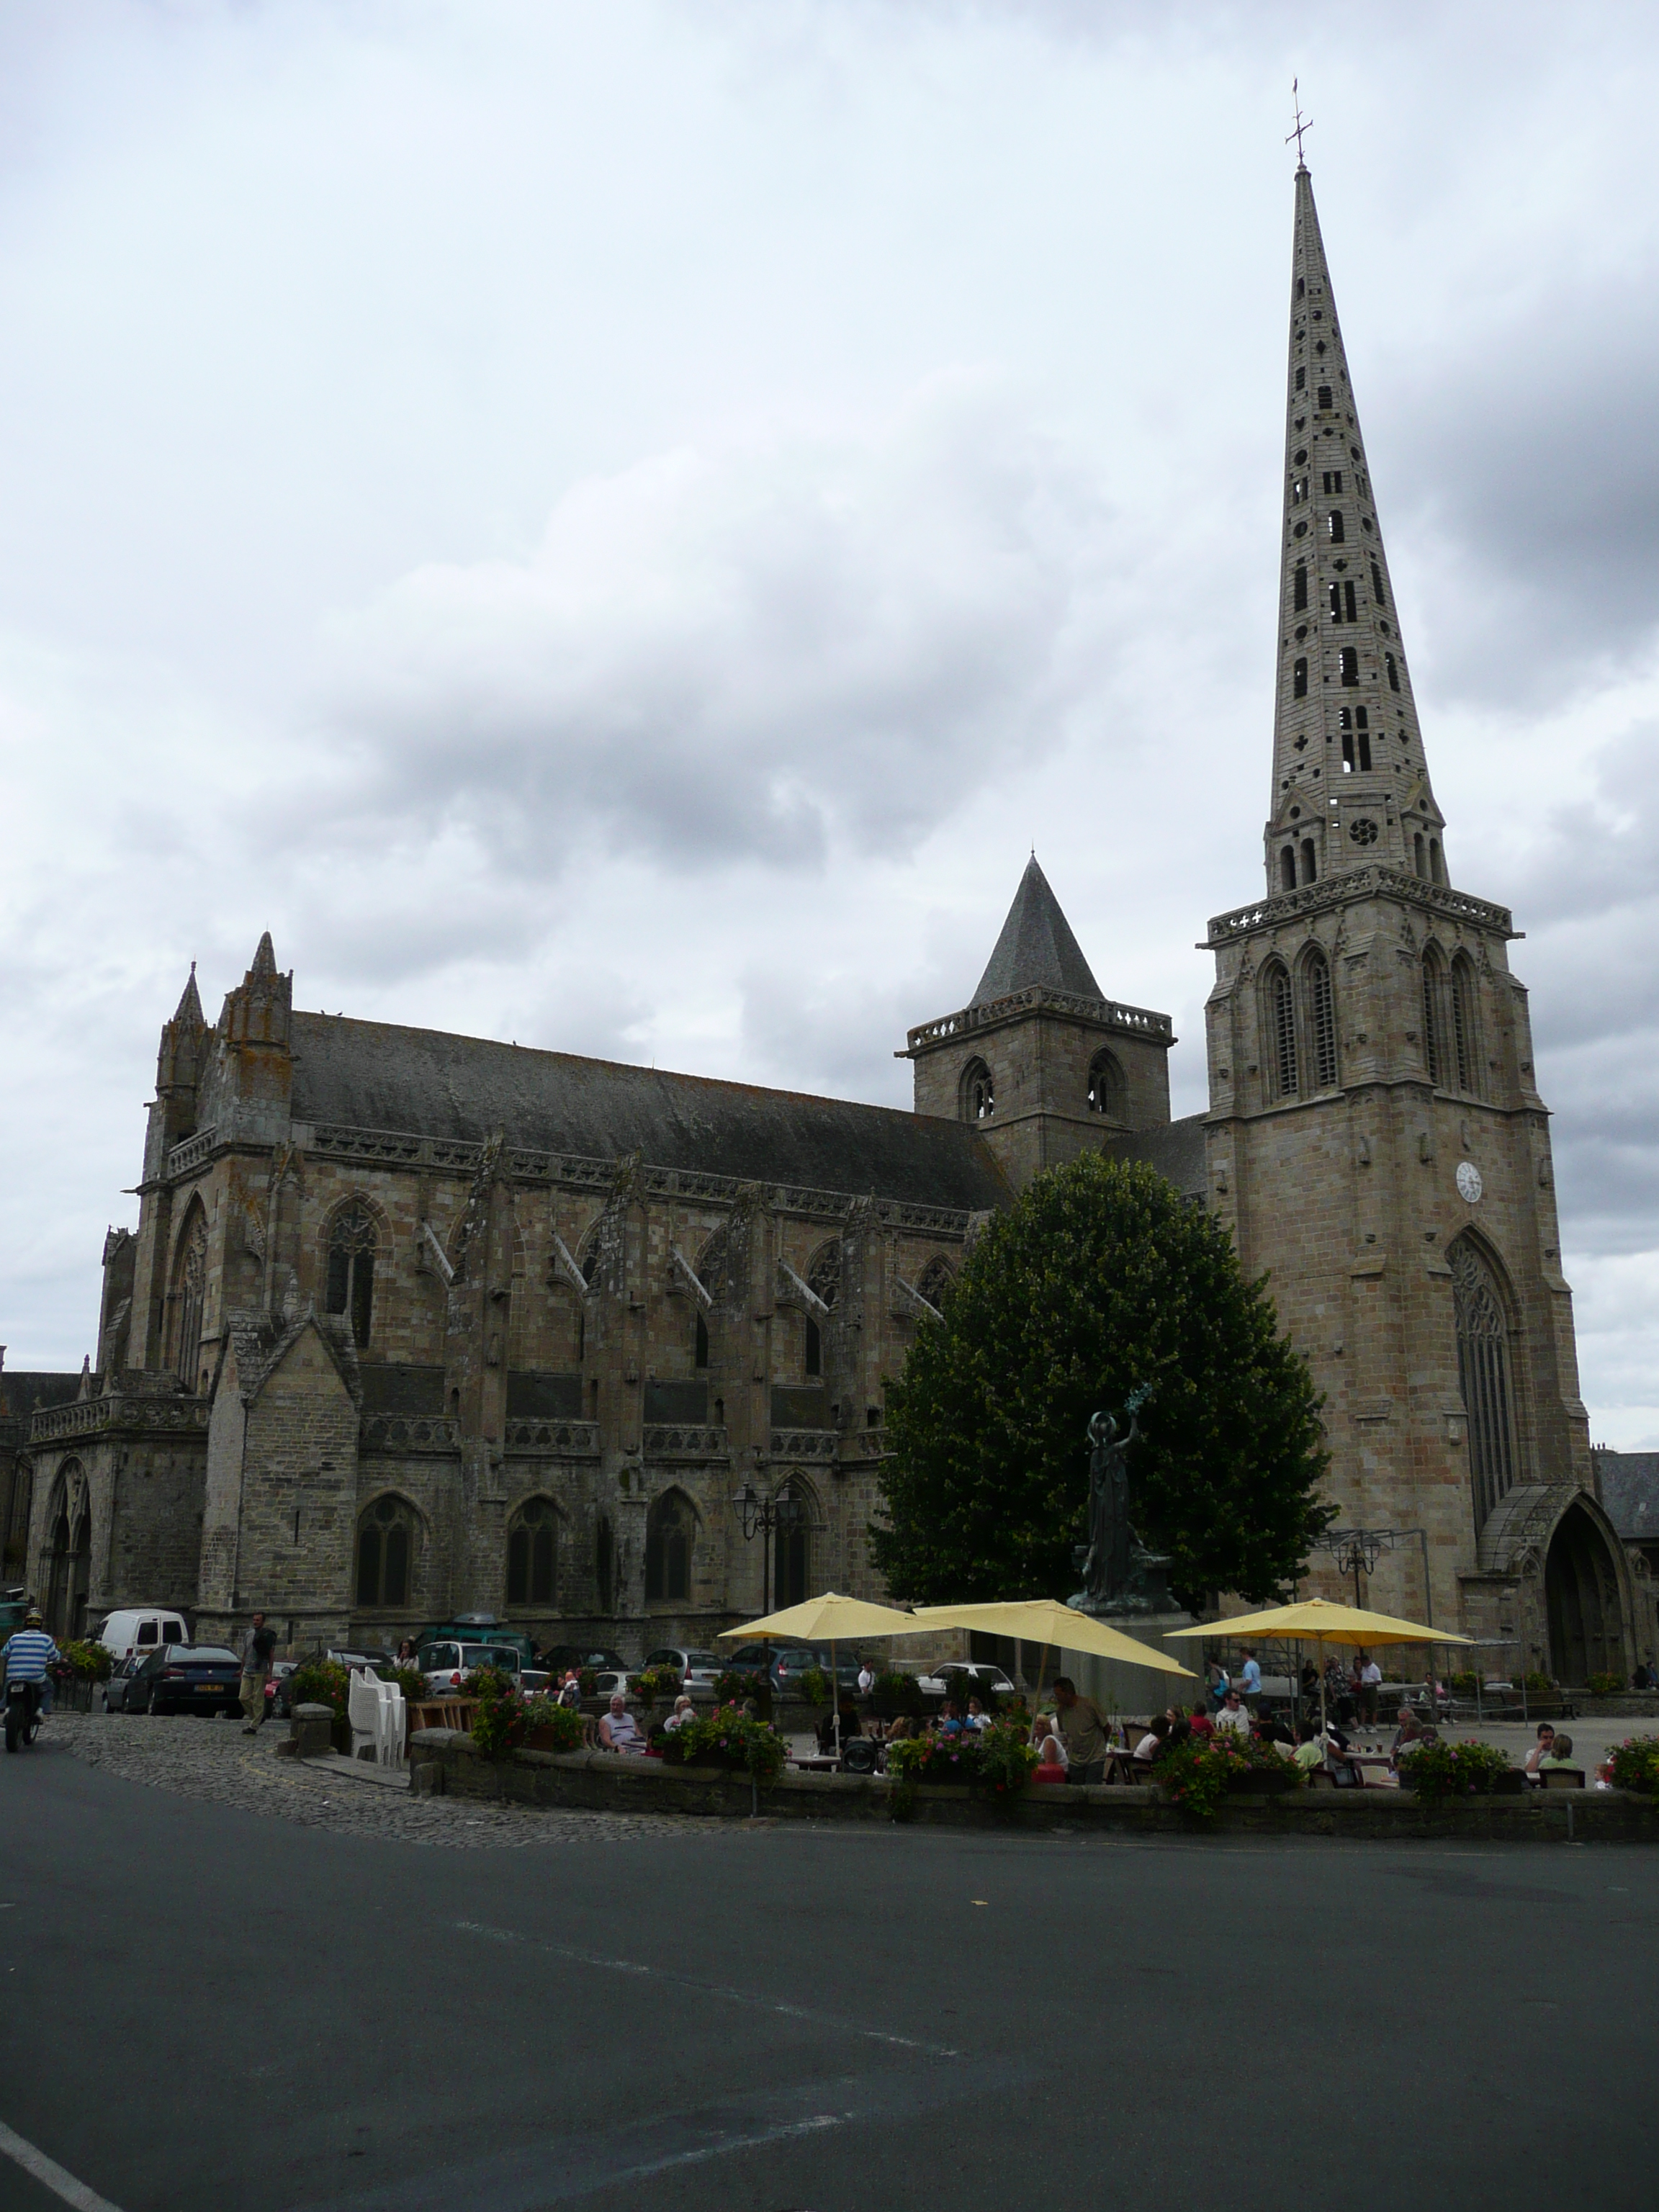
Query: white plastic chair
point(393, 1734)
point(363, 1707)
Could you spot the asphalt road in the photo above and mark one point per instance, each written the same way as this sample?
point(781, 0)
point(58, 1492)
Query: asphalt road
point(206, 2010)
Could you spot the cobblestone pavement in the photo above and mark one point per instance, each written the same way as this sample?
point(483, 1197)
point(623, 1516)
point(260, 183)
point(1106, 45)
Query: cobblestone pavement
point(213, 1760)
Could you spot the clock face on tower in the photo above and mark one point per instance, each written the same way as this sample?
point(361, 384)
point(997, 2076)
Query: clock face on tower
point(1469, 1185)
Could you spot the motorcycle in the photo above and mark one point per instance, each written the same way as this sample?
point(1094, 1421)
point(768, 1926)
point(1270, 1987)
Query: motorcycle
point(22, 1714)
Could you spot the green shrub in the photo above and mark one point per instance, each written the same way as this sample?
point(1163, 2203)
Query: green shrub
point(498, 1725)
point(320, 1682)
point(731, 1688)
point(1635, 1764)
point(1464, 1686)
point(409, 1680)
point(727, 1737)
point(654, 1684)
point(1540, 1684)
point(564, 1722)
point(1198, 1772)
point(815, 1686)
point(90, 1662)
point(894, 1694)
point(490, 1684)
point(1453, 1770)
point(587, 1682)
point(1008, 1758)
point(1606, 1685)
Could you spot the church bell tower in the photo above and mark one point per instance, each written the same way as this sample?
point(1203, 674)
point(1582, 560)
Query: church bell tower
point(1375, 1139)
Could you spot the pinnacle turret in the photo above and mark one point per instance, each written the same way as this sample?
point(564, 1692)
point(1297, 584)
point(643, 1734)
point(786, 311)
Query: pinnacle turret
point(189, 1009)
point(1036, 946)
point(1350, 785)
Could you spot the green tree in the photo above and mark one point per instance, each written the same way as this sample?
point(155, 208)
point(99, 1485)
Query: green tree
point(1098, 1279)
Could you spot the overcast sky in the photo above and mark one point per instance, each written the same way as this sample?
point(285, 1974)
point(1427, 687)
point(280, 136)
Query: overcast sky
point(618, 526)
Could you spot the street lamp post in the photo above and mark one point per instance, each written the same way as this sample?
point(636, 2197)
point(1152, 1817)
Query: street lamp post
point(765, 1517)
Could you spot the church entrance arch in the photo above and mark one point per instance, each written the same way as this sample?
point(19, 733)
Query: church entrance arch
point(1580, 1593)
point(67, 1566)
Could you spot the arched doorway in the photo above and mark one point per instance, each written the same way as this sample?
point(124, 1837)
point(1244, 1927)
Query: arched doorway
point(1581, 1592)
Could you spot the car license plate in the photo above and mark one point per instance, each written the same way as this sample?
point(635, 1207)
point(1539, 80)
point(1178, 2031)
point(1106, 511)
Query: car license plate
point(209, 1689)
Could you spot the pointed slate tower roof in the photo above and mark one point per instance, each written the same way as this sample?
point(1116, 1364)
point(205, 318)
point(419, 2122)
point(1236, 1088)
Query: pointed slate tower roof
point(1035, 946)
point(189, 1008)
point(1350, 785)
point(265, 959)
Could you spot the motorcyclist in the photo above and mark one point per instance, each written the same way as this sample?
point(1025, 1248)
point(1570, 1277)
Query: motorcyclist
point(28, 1653)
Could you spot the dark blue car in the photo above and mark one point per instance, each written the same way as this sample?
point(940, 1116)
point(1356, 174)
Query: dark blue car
point(187, 1678)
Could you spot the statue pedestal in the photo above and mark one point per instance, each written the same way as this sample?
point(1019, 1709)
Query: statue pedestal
point(1117, 1687)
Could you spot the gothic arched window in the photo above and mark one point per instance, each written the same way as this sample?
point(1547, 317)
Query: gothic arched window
point(1321, 1020)
point(792, 1544)
point(978, 1092)
point(386, 1552)
point(532, 1553)
point(1465, 1024)
point(936, 1283)
point(189, 1295)
point(1434, 1035)
point(1309, 861)
point(1287, 869)
point(350, 1287)
point(823, 1271)
point(1106, 1086)
point(699, 1345)
point(811, 1357)
point(1278, 1009)
point(670, 1534)
point(1483, 1373)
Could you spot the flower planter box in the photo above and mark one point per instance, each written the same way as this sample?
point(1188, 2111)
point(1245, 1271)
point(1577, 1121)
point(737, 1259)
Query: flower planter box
point(75, 1697)
point(1260, 1782)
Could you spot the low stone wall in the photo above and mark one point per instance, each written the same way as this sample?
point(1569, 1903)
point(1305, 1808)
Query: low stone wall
point(442, 1761)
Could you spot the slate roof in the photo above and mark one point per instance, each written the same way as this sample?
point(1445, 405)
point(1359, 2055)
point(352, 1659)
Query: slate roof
point(375, 1075)
point(1176, 1151)
point(1629, 1483)
point(1035, 946)
point(23, 1391)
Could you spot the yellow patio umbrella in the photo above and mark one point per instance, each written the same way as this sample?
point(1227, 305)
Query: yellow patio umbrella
point(1046, 1621)
point(829, 1620)
point(1326, 1623)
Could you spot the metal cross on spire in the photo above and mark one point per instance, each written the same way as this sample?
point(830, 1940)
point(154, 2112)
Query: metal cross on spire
point(1302, 124)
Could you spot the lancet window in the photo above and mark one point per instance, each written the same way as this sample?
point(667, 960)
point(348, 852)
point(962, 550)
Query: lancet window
point(1484, 1373)
point(350, 1286)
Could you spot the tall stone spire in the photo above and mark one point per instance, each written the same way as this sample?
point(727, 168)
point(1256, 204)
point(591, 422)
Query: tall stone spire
point(1350, 785)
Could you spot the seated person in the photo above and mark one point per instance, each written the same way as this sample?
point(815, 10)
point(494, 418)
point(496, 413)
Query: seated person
point(1202, 1724)
point(1540, 1751)
point(952, 1721)
point(1050, 1748)
point(1233, 1715)
point(618, 1729)
point(570, 1690)
point(977, 1716)
point(898, 1730)
point(1559, 1754)
point(1157, 1730)
point(849, 1727)
point(1310, 1751)
point(682, 1713)
point(1409, 1732)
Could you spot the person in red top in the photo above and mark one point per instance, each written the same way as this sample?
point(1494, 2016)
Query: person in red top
point(1202, 1724)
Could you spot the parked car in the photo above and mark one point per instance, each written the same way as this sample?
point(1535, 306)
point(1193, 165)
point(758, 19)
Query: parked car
point(697, 1670)
point(559, 1658)
point(754, 1660)
point(187, 1678)
point(791, 1661)
point(141, 1628)
point(279, 1696)
point(478, 1628)
point(963, 1679)
point(120, 1681)
point(446, 1665)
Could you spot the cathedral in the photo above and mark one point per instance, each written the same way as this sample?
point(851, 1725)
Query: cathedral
point(414, 1324)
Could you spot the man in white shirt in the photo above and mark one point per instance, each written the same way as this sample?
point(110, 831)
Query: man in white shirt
point(1232, 1715)
point(1370, 1681)
point(867, 1680)
point(618, 1729)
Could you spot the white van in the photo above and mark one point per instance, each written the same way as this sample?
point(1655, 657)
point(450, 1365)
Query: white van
point(141, 1630)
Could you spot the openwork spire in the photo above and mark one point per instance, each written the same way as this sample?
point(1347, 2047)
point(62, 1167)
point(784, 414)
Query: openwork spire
point(1350, 785)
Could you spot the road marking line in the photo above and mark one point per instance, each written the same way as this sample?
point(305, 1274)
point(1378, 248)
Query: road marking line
point(781, 2134)
point(711, 1989)
point(51, 2175)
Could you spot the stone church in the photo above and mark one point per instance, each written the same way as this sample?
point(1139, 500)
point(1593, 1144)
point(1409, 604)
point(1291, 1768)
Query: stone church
point(414, 1324)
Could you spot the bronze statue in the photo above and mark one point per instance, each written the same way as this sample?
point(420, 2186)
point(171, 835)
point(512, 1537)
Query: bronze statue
point(1119, 1575)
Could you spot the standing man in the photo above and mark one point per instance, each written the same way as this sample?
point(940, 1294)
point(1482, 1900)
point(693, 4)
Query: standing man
point(1370, 1683)
point(866, 1678)
point(1249, 1683)
point(1083, 1731)
point(256, 1670)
